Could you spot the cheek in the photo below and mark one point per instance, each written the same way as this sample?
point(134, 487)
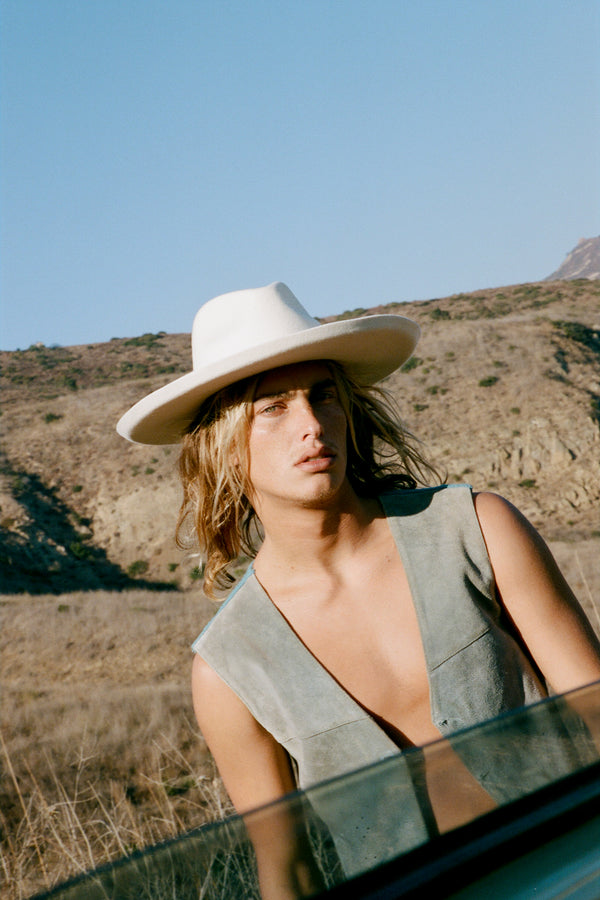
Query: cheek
point(260, 439)
point(336, 421)
point(262, 453)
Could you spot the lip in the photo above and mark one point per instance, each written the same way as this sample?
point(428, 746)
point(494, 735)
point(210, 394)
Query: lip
point(319, 461)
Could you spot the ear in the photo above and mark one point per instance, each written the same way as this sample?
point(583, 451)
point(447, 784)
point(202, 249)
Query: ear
point(235, 456)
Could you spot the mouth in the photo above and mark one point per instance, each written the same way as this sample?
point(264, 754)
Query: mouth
point(317, 461)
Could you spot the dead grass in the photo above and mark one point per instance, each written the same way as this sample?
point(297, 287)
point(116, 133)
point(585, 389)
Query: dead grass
point(101, 754)
point(64, 831)
point(100, 751)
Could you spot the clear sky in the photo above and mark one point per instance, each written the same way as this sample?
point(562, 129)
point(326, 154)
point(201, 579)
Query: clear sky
point(156, 153)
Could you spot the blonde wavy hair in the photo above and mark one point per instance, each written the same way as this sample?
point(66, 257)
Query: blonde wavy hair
point(213, 467)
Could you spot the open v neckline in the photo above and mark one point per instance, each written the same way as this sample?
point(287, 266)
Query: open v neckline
point(362, 711)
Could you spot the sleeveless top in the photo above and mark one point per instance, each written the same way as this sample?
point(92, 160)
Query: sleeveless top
point(476, 670)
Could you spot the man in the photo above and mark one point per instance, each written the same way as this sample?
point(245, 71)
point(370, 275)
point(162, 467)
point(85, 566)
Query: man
point(375, 616)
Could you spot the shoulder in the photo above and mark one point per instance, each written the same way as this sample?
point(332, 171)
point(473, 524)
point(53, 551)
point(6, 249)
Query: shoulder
point(500, 520)
point(231, 609)
point(204, 677)
point(536, 596)
point(492, 508)
point(487, 502)
point(216, 704)
point(208, 688)
point(518, 553)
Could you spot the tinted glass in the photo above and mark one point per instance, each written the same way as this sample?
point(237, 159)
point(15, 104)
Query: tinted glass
point(357, 823)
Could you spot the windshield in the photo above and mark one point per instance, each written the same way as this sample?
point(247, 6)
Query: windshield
point(357, 823)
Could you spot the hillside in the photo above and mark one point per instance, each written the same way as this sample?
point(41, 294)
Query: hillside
point(504, 392)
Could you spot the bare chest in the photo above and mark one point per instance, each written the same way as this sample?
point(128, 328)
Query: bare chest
point(363, 629)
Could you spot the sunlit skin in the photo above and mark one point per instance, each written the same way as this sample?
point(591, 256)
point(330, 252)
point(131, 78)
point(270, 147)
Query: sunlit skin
point(330, 565)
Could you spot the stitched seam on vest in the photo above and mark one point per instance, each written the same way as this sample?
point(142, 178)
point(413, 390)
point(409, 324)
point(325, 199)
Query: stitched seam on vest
point(462, 649)
point(314, 734)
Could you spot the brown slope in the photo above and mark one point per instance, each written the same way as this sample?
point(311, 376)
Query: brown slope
point(502, 396)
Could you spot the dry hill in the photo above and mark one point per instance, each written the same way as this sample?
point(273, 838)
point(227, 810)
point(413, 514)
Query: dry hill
point(504, 391)
point(101, 754)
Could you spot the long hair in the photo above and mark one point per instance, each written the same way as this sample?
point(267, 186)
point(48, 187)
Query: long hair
point(213, 467)
point(382, 454)
point(216, 489)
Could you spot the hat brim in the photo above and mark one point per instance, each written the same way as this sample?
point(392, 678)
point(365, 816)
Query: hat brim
point(369, 349)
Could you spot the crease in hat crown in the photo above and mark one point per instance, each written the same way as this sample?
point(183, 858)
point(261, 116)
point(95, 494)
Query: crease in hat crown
point(247, 332)
point(271, 312)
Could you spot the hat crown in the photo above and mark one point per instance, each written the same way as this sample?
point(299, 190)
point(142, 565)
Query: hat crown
point(235, 322)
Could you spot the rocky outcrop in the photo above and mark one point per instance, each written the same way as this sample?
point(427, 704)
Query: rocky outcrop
point(582, 262)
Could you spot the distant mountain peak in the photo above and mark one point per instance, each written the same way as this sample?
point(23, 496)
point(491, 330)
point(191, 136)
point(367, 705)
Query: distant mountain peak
point(582, 262)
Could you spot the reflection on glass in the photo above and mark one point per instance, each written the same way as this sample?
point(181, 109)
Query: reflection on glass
point(352, 824)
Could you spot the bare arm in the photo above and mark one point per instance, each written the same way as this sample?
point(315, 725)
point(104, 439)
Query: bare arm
point(255, 770)
point(537, 598)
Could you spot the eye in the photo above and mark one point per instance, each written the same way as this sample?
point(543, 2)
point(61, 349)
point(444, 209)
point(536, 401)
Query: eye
point(325, 394)
point(269, 409)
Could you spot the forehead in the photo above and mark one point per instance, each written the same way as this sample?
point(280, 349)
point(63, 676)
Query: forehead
point(295, 376)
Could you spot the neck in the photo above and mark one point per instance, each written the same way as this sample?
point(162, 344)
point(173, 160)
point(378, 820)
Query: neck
point(314, 537)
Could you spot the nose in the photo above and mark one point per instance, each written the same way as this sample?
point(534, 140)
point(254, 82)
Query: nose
point(309, 421)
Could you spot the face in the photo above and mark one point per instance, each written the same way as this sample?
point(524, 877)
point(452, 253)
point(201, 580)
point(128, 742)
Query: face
point(297, 440)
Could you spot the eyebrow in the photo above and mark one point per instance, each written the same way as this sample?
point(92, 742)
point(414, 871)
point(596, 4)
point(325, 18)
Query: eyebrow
point(284, 395)
point(269, 395)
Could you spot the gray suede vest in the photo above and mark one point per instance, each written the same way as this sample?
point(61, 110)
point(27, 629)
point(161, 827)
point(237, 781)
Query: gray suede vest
point(476, 669)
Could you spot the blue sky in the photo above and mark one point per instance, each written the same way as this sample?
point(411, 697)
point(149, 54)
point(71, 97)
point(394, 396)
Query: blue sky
point(156, 153)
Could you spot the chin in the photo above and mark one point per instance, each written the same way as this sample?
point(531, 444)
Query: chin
point(322, 496)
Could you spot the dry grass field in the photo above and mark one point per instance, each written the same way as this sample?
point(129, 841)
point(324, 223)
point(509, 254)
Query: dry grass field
point(100, 752)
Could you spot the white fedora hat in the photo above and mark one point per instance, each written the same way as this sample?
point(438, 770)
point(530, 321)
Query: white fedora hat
point(247, 332)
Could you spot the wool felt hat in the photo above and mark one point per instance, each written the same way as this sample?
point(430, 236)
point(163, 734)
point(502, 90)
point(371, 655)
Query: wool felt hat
point(247, 332)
